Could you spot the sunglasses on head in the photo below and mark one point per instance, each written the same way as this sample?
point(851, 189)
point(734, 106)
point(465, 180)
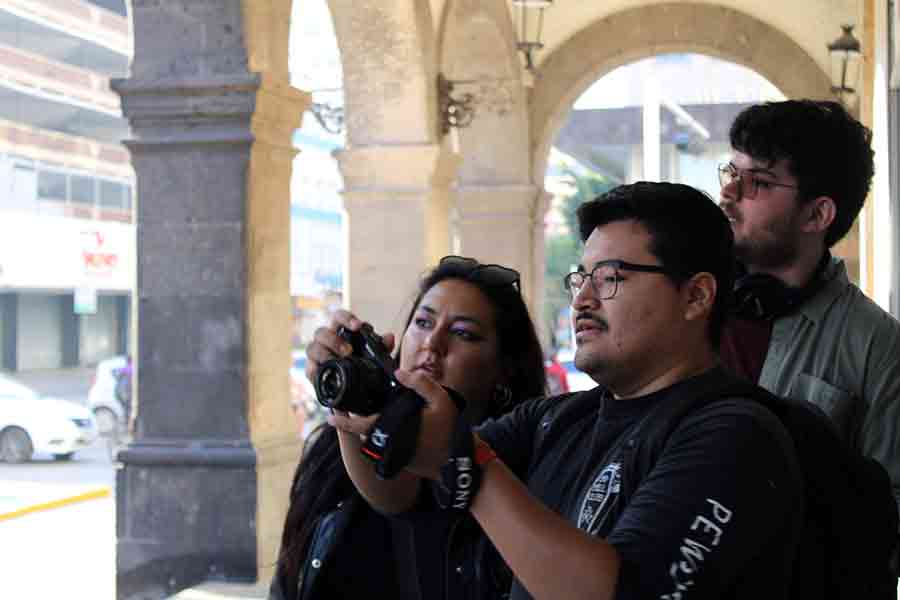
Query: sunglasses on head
point(487, 274)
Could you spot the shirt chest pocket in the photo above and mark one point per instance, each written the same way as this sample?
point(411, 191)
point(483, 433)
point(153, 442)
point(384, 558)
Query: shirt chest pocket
point(835, 402)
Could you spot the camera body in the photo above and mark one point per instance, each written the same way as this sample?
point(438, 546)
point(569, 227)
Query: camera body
point(362, 383)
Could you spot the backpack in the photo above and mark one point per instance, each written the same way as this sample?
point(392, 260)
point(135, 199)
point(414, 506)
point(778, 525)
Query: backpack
point(850, 527)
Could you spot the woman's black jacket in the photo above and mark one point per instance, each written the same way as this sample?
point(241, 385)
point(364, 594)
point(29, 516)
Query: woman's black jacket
point(473, 570)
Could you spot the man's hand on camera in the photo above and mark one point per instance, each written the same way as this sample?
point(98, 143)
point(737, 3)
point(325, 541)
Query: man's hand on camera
point(327, 344)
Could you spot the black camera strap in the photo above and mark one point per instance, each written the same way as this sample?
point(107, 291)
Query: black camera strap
point(391, 443)
point(460, 476)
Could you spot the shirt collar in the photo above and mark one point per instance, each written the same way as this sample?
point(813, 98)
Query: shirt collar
point(836, 282)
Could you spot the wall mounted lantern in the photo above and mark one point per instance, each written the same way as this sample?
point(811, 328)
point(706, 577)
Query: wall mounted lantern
point(845, 55)
point(529, 20)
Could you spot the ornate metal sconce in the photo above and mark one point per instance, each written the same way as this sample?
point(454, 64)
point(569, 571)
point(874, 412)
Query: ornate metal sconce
point(455, 111)
point(845, 54)
point(331, 118)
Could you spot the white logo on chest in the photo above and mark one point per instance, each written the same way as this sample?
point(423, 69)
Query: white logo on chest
point(599, 496)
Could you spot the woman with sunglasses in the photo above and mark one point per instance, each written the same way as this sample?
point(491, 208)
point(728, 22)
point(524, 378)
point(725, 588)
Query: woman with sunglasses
point(470, 330)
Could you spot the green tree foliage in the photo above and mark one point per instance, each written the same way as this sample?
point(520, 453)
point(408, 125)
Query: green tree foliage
point(562, 251)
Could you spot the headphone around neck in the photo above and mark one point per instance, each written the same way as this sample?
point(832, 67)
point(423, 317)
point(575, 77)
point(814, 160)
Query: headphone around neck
point(764, 297)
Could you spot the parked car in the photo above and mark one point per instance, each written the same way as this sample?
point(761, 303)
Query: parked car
point(31, 423)
point(108, 411)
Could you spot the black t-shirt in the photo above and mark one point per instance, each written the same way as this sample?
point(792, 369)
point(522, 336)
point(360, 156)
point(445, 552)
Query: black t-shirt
point(716, 517)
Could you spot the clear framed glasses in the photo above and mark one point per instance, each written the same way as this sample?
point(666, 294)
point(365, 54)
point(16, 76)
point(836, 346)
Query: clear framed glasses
point(488, 274)
point(748, 181)
point(605, 278)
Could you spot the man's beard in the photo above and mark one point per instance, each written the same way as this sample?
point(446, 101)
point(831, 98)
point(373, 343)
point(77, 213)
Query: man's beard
point(768, 254)
point(777, 248)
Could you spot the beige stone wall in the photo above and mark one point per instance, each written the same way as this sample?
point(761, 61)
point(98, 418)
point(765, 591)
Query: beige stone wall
point(279, 109)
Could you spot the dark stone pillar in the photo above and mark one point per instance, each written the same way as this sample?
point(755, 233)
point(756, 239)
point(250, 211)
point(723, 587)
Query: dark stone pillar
point(204, 484)
point(186, 492)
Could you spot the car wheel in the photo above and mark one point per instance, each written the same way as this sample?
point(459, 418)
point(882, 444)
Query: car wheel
point(107, 421)
point(64, 456)
point(15, 445)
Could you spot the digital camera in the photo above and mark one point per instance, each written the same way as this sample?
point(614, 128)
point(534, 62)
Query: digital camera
point(363, 382)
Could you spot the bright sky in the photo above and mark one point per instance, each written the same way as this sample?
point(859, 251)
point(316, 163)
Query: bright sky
point(686, 79)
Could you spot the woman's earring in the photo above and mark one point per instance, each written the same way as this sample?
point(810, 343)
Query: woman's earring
point(502, 399)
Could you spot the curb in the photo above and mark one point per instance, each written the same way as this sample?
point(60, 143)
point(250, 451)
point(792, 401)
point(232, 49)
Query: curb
point(93, 495)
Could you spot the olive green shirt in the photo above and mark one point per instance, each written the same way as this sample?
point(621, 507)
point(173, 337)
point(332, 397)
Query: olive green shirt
point(841, 352)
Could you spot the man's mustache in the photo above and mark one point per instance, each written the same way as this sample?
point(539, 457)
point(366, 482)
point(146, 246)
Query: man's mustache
point(594, 320)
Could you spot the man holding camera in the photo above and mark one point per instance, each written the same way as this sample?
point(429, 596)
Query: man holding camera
point(715, 516)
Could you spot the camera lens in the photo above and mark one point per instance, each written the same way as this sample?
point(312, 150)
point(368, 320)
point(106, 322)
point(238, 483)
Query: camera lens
point(332, 383)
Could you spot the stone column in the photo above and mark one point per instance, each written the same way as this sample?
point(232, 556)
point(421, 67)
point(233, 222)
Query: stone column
point(397, 202)
point(503, 224)
point(203, 486)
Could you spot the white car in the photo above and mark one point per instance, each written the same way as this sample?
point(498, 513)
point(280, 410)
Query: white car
point(108, 411)
point(30, 423)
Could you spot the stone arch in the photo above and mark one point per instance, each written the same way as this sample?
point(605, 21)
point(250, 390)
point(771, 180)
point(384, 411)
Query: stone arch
point(494, 204)
point(477, 42)
point(388, 58)
point(633, 34)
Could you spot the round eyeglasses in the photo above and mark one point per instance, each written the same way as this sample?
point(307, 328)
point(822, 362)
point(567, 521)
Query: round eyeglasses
point(748, 181)
point(605, 278)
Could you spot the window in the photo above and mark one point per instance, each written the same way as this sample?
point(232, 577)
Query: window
point(51, 186)
point(82, 189)
point(23, 188)
point(112, 194)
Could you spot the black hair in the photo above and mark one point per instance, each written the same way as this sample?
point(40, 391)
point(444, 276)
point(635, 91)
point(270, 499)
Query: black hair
point(521, 356)
point(689, 234)
point(321, 480)
point(826, 149)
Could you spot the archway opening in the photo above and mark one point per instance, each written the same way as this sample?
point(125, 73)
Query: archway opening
point(662, 118)
point(318, 220)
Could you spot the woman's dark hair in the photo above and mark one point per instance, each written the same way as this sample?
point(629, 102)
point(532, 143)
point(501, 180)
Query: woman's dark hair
point(689, 234)
point(521, 356)
point(826, 149)
point(321, 481)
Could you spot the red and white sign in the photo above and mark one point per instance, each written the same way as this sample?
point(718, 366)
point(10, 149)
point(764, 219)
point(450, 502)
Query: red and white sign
point(100, 258)
point(44, 252)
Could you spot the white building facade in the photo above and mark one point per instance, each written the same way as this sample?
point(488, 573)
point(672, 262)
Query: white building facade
point(67, 234)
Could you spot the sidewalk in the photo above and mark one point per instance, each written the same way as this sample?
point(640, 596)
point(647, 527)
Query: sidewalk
point(224, 591)
point(33, 497)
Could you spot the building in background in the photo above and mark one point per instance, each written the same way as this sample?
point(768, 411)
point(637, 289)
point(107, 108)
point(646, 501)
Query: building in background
point(318, 222)
point(318, 237)
point(67, 238)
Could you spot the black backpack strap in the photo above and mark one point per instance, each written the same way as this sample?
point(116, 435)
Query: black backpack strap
point(650, 437)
